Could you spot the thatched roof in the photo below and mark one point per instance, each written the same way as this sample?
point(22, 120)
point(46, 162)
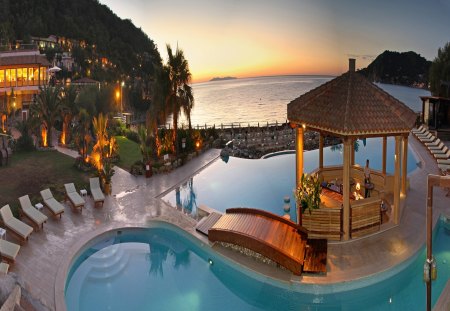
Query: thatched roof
point(350, 105)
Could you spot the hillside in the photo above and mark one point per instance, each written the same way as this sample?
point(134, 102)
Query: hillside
point(131, 51)
point(407, 68)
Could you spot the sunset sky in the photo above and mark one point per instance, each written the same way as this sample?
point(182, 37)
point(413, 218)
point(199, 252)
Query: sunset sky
point(264, 37)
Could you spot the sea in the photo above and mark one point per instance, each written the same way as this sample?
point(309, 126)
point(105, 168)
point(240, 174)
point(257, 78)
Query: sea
point(264, 99)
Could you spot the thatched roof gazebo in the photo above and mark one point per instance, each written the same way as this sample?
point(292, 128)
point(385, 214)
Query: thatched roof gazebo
point(351, 107)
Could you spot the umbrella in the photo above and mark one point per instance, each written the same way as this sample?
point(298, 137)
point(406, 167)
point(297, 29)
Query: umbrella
point(54, 69)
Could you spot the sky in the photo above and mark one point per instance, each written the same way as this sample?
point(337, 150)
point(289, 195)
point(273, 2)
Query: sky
point(247, 38)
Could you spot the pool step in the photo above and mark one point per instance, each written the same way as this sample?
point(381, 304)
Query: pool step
point(207, 222)
point(315, 256)
point(110, 269)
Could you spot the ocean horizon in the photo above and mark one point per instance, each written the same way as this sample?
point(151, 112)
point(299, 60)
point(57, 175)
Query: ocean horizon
point(249, 101)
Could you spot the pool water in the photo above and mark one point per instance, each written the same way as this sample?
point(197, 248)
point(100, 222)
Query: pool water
point(164, 268)
point(263, 183)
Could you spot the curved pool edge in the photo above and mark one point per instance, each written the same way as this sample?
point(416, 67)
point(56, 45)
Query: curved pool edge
point(301, 285)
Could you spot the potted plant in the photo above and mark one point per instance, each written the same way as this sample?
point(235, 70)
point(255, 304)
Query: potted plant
point(308, 192)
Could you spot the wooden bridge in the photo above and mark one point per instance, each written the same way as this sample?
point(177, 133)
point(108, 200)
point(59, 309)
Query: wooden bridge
point(270, 235)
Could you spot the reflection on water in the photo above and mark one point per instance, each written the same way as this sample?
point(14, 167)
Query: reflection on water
point(186, 197)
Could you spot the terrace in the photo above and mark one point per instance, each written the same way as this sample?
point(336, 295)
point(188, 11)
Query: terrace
point(134, 203)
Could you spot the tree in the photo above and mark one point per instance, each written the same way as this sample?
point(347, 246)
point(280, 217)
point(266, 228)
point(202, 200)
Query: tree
point(180, 94)
point(440, 72)
point(47, 109)
point(82, 135)
point(69, 111)
point(158, 110)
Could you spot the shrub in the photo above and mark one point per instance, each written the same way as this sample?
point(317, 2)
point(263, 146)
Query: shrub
point(131, 135)
point(25, 143)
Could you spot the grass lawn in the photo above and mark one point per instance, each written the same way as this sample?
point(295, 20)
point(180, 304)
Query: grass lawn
point(129, 152)
point(31, 172)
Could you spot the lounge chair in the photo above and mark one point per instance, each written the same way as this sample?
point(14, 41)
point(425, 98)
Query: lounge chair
point(423, 135)
point(4, 267)
point(444, 167)
point(443, 161)
point(428, 139)
point(434, 143)
point(439, 151)
point(50, 202)
point(8, 250)
point(444, 156)
point(75, 199)
point(35, 216)
point(21, 229)
point(419, 130)
point(440, 146)
point(96, 191)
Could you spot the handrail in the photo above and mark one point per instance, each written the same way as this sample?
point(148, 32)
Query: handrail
point(254, 211)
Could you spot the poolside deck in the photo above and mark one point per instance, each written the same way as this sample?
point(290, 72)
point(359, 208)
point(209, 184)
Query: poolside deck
point(135, 202)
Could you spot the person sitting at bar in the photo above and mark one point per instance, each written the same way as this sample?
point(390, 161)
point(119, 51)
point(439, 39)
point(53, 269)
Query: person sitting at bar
point(367, 183)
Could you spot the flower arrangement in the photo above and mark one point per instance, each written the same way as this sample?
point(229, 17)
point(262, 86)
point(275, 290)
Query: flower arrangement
point(308, 192)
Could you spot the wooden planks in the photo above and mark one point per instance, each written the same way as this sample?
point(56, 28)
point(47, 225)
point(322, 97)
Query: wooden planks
point(207, 222)
point(323, 223)
point(316, 256)
point(365, 217)
point(270, 235)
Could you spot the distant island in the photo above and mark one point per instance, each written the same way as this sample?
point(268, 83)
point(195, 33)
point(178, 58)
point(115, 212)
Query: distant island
point(222, 78)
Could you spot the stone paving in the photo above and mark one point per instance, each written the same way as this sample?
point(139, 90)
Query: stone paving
point(134, 202)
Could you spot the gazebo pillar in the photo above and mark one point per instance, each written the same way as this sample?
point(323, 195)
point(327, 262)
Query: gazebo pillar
point(404, 163)
point(396, 211)
point(346, 187)
point(384, 155)
point(352, 162)
point(320, 151)
point(299, 164)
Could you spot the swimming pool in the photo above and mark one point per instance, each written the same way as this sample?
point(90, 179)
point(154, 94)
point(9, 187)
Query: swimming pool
point(263, 183)
point(164, 268)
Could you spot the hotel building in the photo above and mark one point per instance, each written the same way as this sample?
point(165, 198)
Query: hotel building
point(22, 72)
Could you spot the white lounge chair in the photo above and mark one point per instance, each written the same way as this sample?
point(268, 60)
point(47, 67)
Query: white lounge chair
point(8, 250)
point(96, 191)
point(443, 156)
point(4, 267)
point(444, 167)
point(428, 139)
point(440, 146)
point(21, 229)
point(50, 202)
point(434, 143)
point(75, 199)
point(419, 130)
point(35, 216)
point(423, 135)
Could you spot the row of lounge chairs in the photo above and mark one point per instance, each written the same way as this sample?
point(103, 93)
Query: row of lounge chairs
point(435, 146)
point(9, 250)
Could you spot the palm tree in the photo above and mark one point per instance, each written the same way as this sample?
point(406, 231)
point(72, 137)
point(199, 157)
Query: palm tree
point(158, 111)
point(187, 103)
point(47, 109)
point(82, 136)
point(69, 111)
point(179, 77)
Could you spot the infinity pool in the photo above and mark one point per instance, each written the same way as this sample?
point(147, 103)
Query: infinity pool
point(164, 268)
point(263, 183)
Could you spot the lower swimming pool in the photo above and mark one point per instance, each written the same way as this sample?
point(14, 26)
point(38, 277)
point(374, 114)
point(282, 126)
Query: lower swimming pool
point(164, 268)
point(263, 183)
